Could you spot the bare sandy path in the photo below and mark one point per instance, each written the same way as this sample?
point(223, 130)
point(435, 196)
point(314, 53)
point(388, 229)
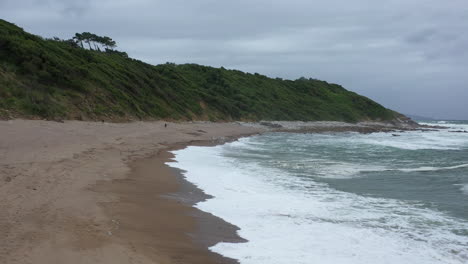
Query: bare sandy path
point(50, 209)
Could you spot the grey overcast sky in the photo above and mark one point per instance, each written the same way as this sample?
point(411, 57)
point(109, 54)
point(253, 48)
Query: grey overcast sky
point(409, 55)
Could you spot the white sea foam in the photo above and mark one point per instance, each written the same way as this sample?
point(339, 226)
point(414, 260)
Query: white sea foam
point(344, 170)
point(459, 126)
point(415, 140)
point(289, 220)
point(422, 169)
point(439, 139)
point(464, 189)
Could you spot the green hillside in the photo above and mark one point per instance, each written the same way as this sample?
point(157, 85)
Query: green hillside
point(59, 79)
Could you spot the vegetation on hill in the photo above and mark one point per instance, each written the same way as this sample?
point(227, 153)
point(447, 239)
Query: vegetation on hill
point(53, 78)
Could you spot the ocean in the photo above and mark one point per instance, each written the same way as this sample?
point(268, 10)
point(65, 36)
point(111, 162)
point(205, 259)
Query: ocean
point(339, 197)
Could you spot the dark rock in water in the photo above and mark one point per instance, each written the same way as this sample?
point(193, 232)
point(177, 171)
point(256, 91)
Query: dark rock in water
point(395, 135)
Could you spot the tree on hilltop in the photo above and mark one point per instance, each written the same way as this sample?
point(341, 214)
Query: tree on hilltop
point(78, 38)
point(95, 41)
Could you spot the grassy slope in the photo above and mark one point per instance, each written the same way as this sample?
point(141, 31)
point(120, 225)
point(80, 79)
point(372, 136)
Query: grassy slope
point(51, 79)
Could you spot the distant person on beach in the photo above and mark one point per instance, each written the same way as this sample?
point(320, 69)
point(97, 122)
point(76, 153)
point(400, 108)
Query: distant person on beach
point(165, 124)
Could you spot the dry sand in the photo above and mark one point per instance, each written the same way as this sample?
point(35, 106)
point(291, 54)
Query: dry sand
point(86, 192)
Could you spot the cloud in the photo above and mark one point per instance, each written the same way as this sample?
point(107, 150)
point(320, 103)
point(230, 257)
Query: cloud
point(408, 55)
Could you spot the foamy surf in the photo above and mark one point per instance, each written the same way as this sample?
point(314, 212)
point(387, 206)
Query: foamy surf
point(464, 189)
point(296, 199)
point(422, 169)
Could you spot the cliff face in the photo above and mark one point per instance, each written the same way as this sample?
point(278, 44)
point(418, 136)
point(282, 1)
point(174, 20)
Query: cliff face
point(43, 78)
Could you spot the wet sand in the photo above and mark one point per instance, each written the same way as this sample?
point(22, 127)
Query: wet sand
point(95, 192)
point(87, 192)
point(155, 214)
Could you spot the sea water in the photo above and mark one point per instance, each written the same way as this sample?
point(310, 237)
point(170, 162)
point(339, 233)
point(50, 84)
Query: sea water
point(339, 197)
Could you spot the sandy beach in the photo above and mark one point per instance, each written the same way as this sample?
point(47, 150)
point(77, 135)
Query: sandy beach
point(97, 192)
point(91, 192)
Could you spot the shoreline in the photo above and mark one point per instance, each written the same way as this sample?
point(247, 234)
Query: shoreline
point(162, 213)
point(77, 192)
point(84, 192)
